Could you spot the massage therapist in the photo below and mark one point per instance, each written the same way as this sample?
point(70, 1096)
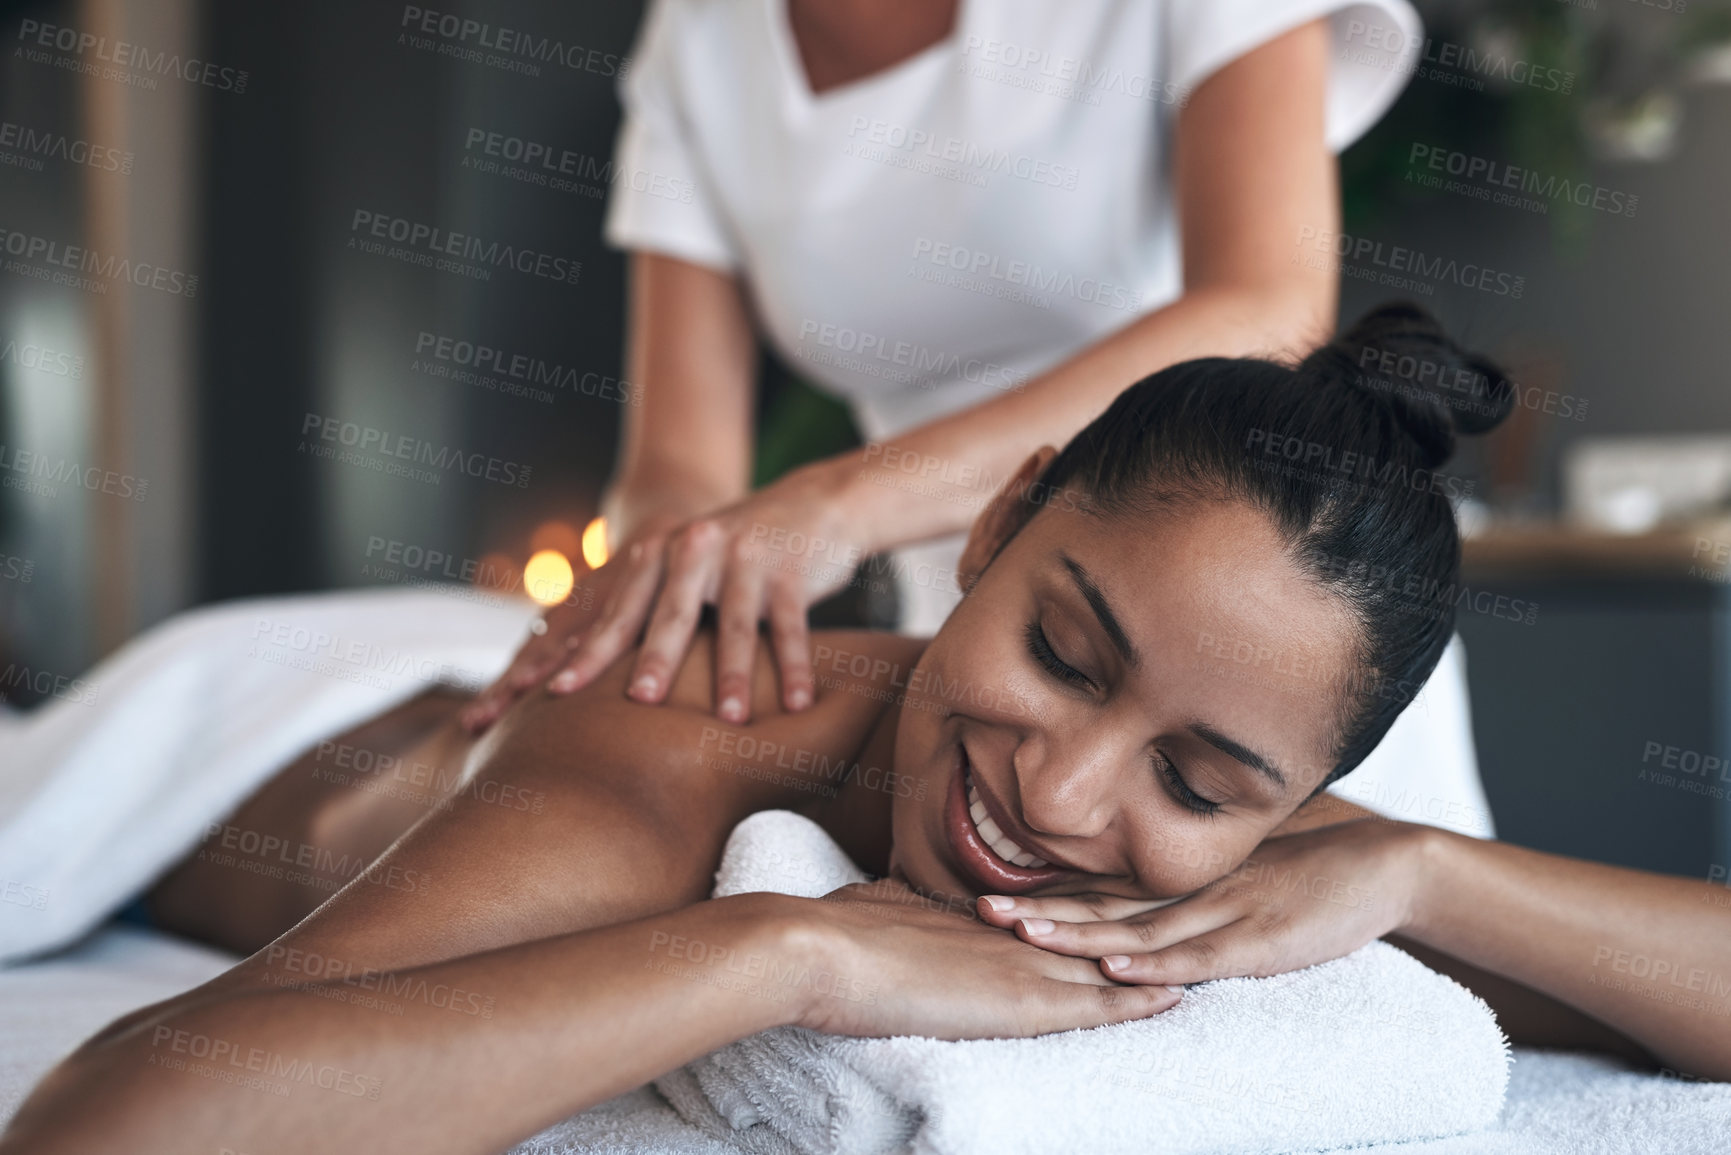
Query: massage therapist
point(974, 221)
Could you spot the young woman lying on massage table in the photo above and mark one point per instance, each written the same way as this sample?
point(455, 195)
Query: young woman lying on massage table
point(1055, 753)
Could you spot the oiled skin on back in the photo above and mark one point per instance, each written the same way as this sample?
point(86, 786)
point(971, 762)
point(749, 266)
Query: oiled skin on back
point(636, 803)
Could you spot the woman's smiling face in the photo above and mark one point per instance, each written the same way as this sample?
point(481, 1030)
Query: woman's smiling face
point(1135, 702)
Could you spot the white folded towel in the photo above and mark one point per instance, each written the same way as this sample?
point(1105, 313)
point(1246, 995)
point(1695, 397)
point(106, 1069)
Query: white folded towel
point(1374, 1047)
point(103, 789)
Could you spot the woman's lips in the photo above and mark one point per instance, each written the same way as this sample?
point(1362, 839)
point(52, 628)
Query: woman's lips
point(979, 864)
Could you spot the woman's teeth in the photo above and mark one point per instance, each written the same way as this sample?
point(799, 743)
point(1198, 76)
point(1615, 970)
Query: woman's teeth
point(994, 838)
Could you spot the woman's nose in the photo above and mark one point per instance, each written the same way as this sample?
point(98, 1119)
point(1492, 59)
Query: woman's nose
point(1068, 782)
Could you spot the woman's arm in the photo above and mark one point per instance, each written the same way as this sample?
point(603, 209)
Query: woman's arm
point(1646, 954)
point(1567, 952)
point(521, 1037)
point(513, 1040)
point(1528, 1015)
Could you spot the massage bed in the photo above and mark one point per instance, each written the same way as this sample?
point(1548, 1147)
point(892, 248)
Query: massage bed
point(277, 674)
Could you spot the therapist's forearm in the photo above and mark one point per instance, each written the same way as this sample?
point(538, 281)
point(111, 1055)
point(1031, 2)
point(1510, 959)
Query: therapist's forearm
point(960, 460)
point(691, 360)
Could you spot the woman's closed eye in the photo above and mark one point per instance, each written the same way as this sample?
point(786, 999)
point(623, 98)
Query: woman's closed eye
point(1041, 648)
point(1181, 790)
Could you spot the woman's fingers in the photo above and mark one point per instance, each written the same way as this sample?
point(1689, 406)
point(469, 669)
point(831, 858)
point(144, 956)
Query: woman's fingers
point(487, 706)
point(790, 638)
point(1005, 910)
point(1236, 949)
point(483, 711)
point(543, 665)
point(693, 563)
point(620, 619)
point(736, 641)
point(1205, 943)
point(537, 661)
point(1139, 934)
point(533, 661)
point(947, 975)
point(1056, 1005)
point(1304, 898)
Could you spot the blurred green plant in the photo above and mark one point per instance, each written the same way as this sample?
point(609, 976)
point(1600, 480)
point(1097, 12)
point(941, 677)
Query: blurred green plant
point(1626, 62)
point(796, 423)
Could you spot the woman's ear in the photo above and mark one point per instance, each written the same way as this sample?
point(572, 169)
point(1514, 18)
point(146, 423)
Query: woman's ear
point(1008, 511)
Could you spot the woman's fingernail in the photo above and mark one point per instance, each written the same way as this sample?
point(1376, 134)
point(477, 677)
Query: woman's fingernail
point(644, 687)
point(999, 902)
point(564, 683)
point(1038, 925)
point(799, 699)
point(732, 710)
point(1176, 990)
point(1115, 962)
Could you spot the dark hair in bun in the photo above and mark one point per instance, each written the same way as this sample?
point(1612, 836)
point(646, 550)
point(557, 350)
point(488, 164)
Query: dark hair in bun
point(1342, 451)
point(1437, 389)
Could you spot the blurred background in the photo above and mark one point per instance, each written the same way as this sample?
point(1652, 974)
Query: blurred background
point(198, 281)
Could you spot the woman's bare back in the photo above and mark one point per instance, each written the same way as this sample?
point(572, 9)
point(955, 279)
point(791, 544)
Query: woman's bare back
point(572, 812)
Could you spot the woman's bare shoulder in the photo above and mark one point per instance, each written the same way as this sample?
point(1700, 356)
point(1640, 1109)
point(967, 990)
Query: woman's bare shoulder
point(842, 661)
point(599, 732)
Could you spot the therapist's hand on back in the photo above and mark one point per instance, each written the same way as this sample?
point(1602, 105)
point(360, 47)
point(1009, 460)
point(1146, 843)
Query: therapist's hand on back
point(767, 558)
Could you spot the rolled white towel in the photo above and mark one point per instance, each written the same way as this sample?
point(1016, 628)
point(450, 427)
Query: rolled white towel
point(1374, 1047)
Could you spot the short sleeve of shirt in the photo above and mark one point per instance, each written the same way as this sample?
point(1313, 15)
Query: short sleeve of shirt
point(1375, 48)
point(661, 198)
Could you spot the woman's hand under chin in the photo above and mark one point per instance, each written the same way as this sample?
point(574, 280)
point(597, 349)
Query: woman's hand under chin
point(887, 962)
point(1300, 899)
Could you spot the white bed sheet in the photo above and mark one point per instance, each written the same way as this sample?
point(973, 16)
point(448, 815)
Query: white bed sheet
point(1558, 1103)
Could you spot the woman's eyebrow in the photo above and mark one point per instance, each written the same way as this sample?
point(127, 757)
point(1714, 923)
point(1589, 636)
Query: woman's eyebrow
point(1090, 590)
point(1240, 753)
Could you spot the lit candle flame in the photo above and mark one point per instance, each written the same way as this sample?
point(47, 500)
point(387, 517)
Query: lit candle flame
point(595, 543)
point(548, 577)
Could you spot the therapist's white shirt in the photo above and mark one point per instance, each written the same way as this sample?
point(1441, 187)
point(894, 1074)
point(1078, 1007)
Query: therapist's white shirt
point(921, 239)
